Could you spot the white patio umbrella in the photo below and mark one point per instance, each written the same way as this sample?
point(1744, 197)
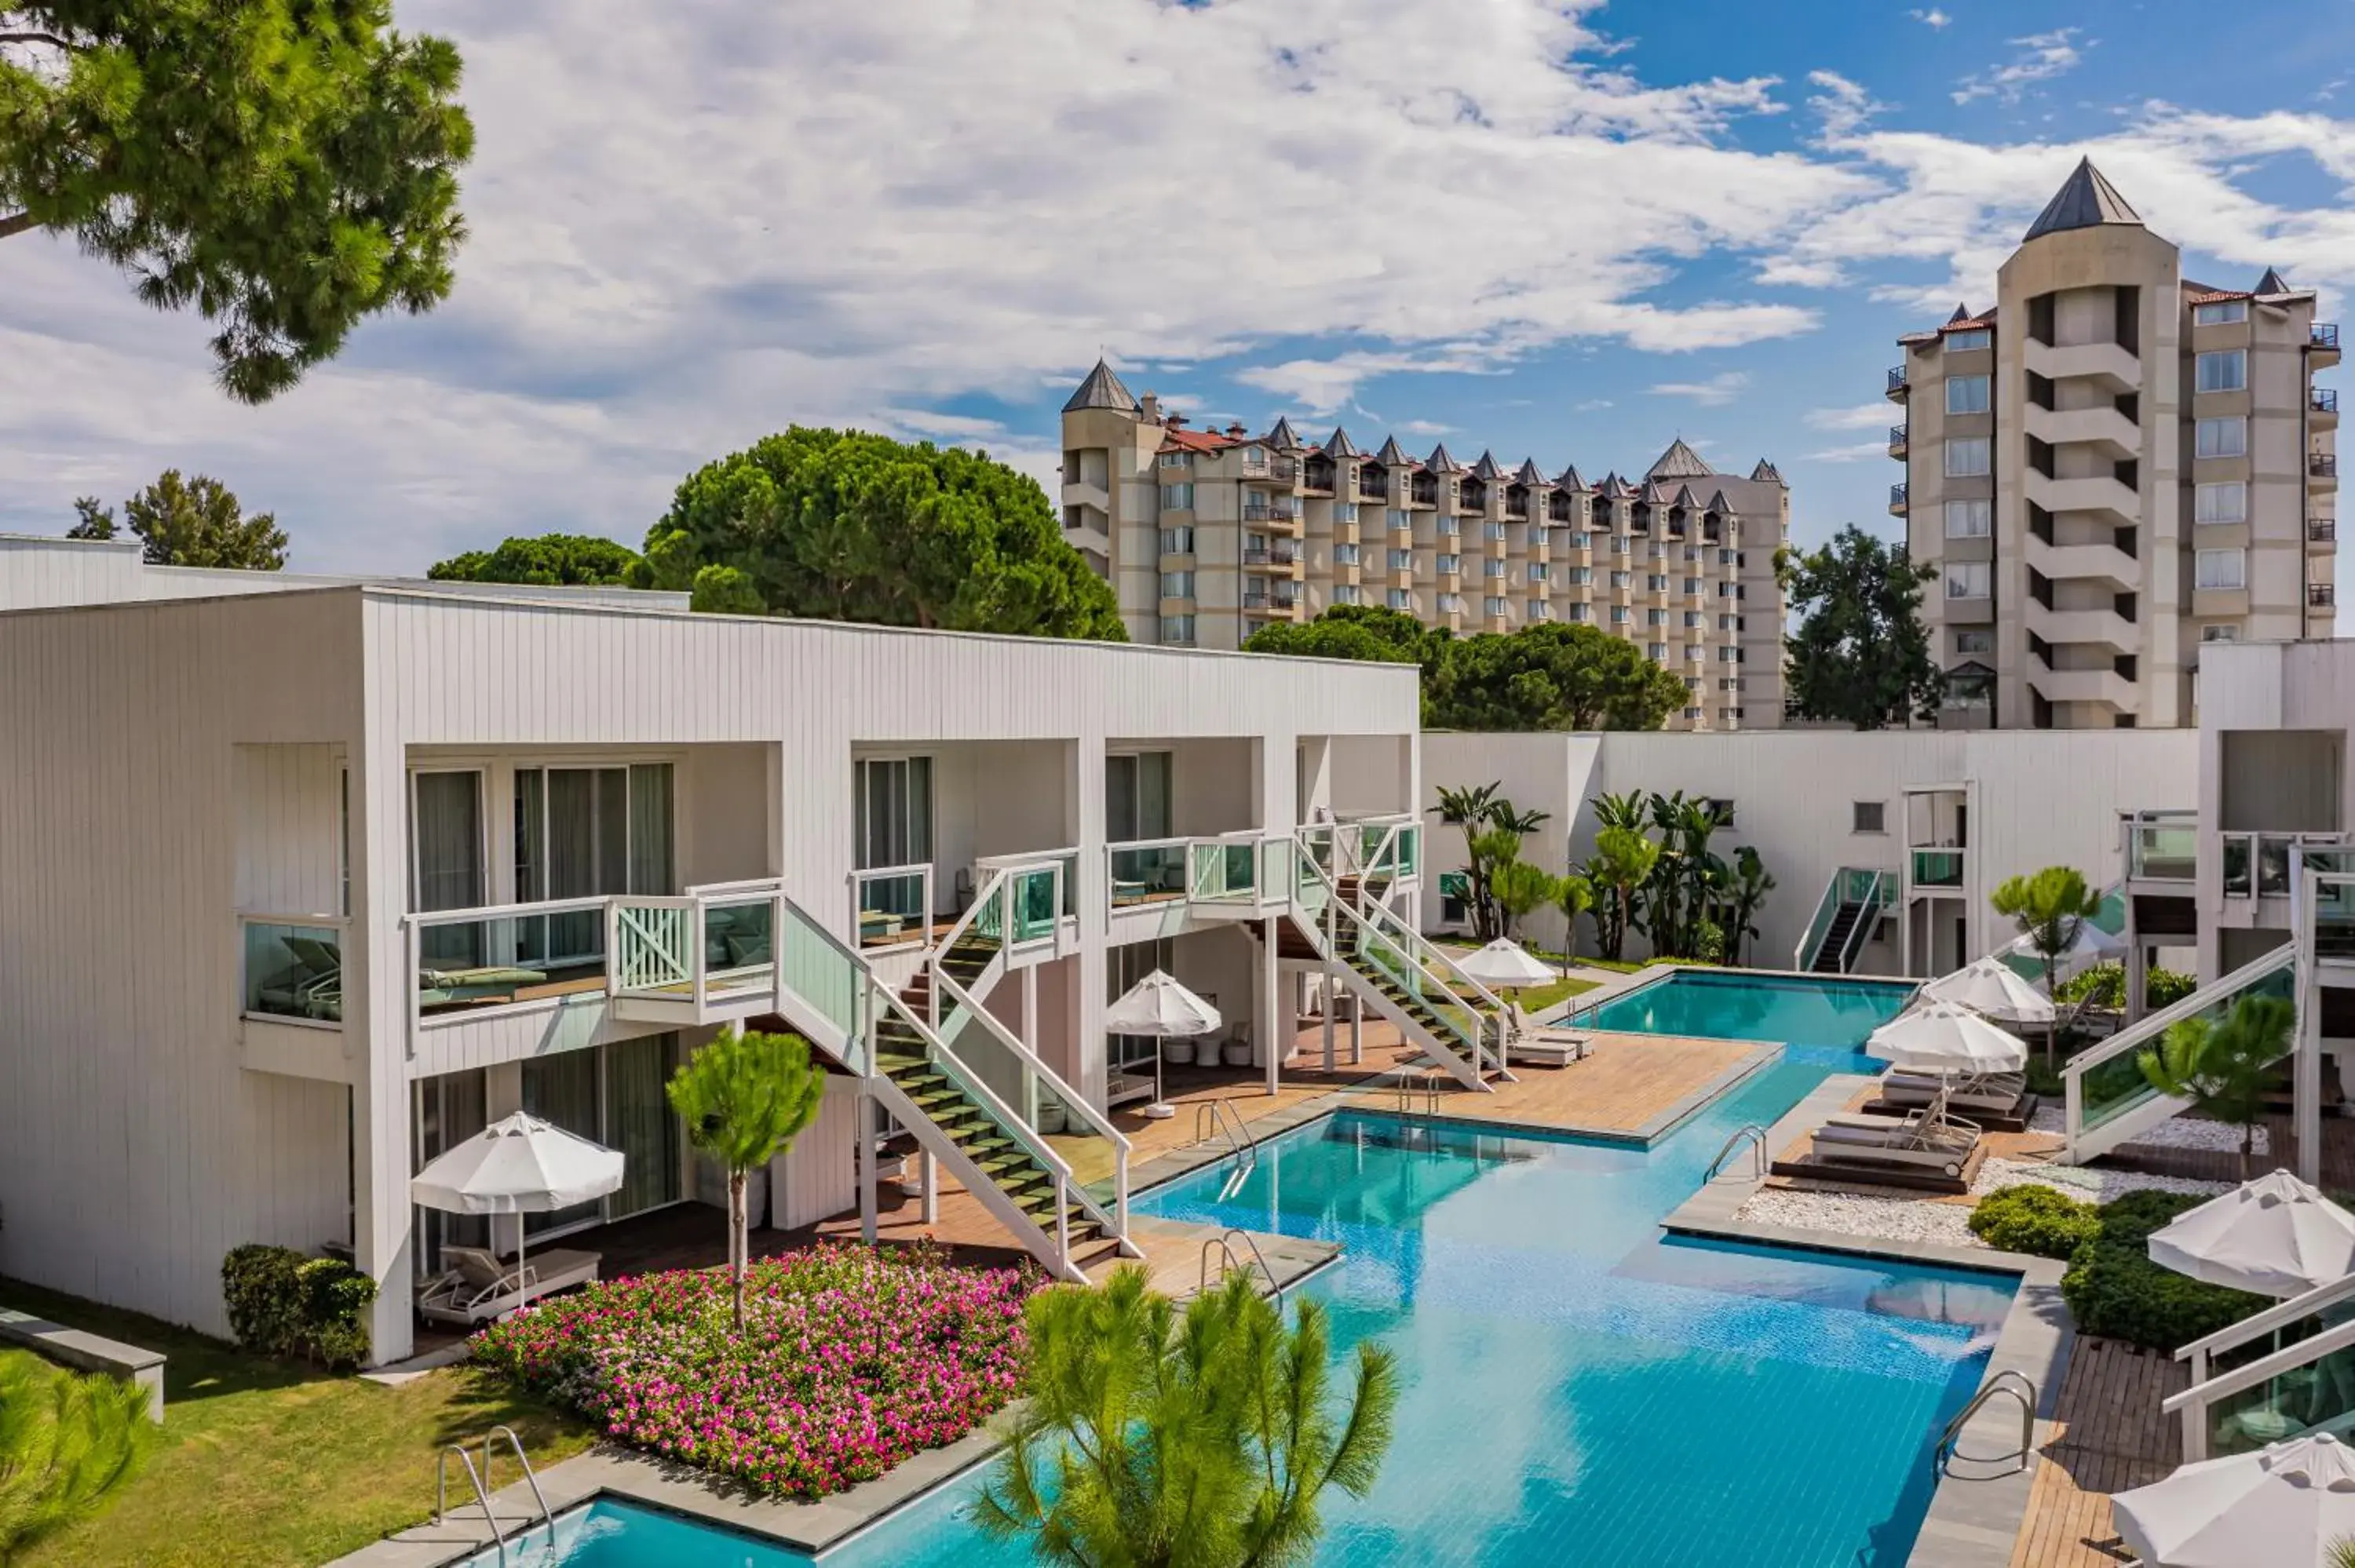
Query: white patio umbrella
point(2092, 946)
point(1944, 1038)
point(2274, 1236)
point(521, 1165)
point(1159, 1007)
point(1505, 963)
point(2281, 1508)
point(1993, 991)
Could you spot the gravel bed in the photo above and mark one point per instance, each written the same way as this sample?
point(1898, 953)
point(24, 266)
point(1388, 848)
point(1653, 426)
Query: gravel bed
point(2177, 1132)
point(1947, 1223)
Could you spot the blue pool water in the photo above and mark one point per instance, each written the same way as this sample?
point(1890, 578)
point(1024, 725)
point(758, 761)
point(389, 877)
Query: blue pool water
point(1822, 1020)
point(1577, 1388)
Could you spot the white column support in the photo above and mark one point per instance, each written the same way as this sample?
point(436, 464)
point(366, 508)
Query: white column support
point(1274, 1018)
point(931, 1169)
point(864, 1119)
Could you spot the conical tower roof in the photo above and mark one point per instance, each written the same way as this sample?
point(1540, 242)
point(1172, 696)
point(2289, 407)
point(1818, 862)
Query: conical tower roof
point(1283, 437)
point(1528, 473)
point(1962, 313)
point(1679, 462)
point(1102, 389)
point(2086, 200)
point(1439, 461)
point(1391, 456)
point(1685, 500)
point(1655, 494)
point(1718, 503)
point(1614, 487)
point(2273, 282)
point(1486, 467)
point(1568, 480)
point(1767, 474)
point(1339, 445)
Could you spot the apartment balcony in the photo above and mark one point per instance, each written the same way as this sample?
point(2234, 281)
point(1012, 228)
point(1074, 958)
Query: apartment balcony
point(1897, 442)
point(1373, 484)
point(1093, 496)
point(1897, 383)
point(2322, 467)
point(2321, 596)
point(2162, 846)
point(2322, 530)
point(1897, 501)
point(2104, 627)
point(2087, 686)
point(2095, 495)
point(1085, 536)
point(2322, 343)
point(2106, 429)
point(1270, 471)
point(2106, 365)
point(1281, 556)
point(2106, 563)
point(2323, 403)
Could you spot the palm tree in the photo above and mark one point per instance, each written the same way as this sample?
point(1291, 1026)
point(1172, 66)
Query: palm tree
point(1742, 894)
point(1573, 896)
point(2223, 1066)
point(1620, 810)
point(1622, 866)
point(2049, 908)
point(1154, 1441)
point(745, 1098)
point(1519, 890)
point(67, 1443)
point(1677, 899)
point(2342, 1552)
point(1467, 811)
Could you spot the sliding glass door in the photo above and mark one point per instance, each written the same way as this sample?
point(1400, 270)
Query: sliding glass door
point(894, 828)
point(445, 829)
point(640, 1124)
point(1136, 797)
point(450, 1111)
point(587, 832)
point(564, 1089)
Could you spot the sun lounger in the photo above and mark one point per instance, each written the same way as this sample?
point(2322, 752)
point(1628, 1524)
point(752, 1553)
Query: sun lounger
point(1528, 1041)
point(1997, 1093)
point(1925, 1139)
point(479, 1286)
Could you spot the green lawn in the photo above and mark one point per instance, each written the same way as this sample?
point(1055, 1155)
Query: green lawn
point(1537, 998)
point(265, 1464)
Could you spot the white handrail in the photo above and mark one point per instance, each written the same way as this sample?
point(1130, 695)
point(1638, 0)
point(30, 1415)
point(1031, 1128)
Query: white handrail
point(2193, 1403)
point(2153, 1025)
point(971, 1083)
point(1800, 959)
point(1412, 949)
point(505, 911)
point(2280, 1315)
point(713, 890)
point(258, 917)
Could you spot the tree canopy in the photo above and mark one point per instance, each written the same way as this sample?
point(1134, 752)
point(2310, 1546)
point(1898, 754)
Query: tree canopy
point(551, 559)
point(1549, 676)
point(1861, 655)
point(844, 525)
point(188, 523)
point(1372, 633)
point(287, 167)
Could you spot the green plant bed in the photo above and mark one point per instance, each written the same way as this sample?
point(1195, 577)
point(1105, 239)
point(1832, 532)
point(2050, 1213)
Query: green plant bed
point(1537, 998)
point(2036, 1220)
point(267, 1462)
point(2114, 1291)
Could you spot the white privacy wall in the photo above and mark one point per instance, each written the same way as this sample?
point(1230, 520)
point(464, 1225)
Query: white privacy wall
point(2038, 797)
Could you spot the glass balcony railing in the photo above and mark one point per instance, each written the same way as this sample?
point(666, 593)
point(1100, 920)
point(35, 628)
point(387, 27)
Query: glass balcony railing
point(2107, 1081)
point(1150, 872)
point(2239, 861)
point(1937, 868)
point(2334, 916)
point(1223, 871)
point(892, 905)
point(2163, 851)
point(293, 969)
point(517, 952)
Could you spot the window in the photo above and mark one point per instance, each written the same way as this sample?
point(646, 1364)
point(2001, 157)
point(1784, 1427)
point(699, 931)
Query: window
point(1346, 593)
point(1726, 558)
point(1137, 796)
point(2227, 502)
point(1618, 615)
point(1692, 618)
point(2222, 370)
point(1401, 560)
point(1344, 554)
point(1581, 574)
point(1540, 609)
point(1869, 817)
point(1539, 571)
point(1344, 511)
point(1618, 544)
point(2221, 632)
point(1492, 568)
point(1656, 618)
point(1966, 394)
point(1177, 585)
point(893, 824)
point(1727, 655)
point(1400, 599)
point(2220, 312)
point(1694, 654)
point(1729, 683)
point(1621, 579)
point(1656, 583)
point(1969, 519)
point(2221, 570)
point(1450, 563)
point(1729, 590)
point(1974, 641)
point(1968, 456)
point(1575, 612)
point(1176, 460)
point(1965, 342)
point(1693, 713)
point(1969, 579)
point(2223, 437)
point(1495, 605)
point(1579, 541)
point(1450, 603)
point(1656, 651)
point(1692, 585)
point(445, 835)
point(1177, 497)
point(1397, 520)
point(1495, 530)
point(1177, 541)
point(1448, 525)
point(1729, 623)
point(1177, 630)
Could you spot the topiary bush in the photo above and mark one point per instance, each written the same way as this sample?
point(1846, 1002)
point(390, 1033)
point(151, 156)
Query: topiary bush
point(283, 1303)
point(2035, 1220)
point(2115, 1290)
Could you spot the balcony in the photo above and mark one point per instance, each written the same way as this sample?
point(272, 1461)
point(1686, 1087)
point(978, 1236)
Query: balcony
point(2321, 596)
point(2321, 530)
point(2106, 429)
point(2087, 686)
point(2162, 846)
point(2104, 628)
point(1897, 383)
point(2106, 365)
point(1897, 501)
point(1284, 555)
point(2257, 865)
point(1937, 869)
point(1270, 471)
point(1897, 441)
point(1093, 496)
point(2096, 495)
point(2324, 401)
point(2106, 563)
point(1373, 484)
point(1270, 512)
point(2323, 466)
point(2324, 337)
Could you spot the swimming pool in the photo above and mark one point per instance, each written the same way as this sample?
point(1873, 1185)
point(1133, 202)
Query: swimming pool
point(1831, 1015)
point(1576, 1387)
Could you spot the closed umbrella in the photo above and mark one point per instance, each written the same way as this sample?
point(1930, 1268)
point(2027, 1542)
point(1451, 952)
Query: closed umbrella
point(1160, 1008)
point(2274, 1236)
point(1504, 963)
point(1993, 990)
point(1944, 1038)
point(2281, 1508)
point(520, 1165)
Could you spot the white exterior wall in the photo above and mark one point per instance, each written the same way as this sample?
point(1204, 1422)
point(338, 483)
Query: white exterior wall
point(2038, 797)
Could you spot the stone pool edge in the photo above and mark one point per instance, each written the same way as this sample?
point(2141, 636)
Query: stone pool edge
point(1972, 1522)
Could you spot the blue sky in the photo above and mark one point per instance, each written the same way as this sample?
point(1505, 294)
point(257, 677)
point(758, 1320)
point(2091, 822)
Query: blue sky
point(1568, 230)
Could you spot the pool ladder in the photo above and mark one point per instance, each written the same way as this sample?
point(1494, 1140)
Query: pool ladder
point(480, 1481)
point(1749, 1136)
point(1222, 1245)
point(1214, 1119)
point(2023, 1390)
point(1424, 1086)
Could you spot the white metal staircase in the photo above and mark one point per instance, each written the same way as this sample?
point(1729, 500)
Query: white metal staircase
point(2286, 1371)
point(2108, 1102)
point(1850, 910)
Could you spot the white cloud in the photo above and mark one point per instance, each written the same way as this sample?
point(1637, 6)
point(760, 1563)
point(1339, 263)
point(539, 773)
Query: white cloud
point(1857, 453)
point(1715, 392)
point(1933, 19)
point(2041, 58)
point(1592, 405)
point(1422, 427)
point(1864, 417)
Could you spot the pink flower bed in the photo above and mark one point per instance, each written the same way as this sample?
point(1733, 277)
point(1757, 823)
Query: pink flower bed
point(851, 1361)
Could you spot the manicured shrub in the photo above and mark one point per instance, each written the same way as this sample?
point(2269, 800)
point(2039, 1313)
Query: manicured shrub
point(2114, 1289)
point(282, 1303)
point(850, 1360)
point(2034, 1219)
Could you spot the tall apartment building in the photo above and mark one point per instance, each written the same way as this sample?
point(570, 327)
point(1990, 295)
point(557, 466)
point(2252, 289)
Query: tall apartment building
point(2112, 466)
point(1206, 535)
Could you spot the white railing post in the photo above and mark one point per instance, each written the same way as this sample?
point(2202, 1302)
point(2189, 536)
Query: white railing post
point(415, 942)
point(699, 955)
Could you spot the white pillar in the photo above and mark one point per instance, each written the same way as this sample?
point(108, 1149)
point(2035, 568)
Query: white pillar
point(931, 1177)
point(864, 1119)
point(1274, 1018)
point(2307, 1071)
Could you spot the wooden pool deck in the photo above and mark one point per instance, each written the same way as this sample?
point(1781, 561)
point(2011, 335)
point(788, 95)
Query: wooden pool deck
point(2107, 1434)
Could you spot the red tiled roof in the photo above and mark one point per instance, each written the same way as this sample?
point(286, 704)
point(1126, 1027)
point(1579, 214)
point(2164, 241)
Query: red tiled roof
point(1199, 440)
point(1971, 323)
point(2216, 296)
